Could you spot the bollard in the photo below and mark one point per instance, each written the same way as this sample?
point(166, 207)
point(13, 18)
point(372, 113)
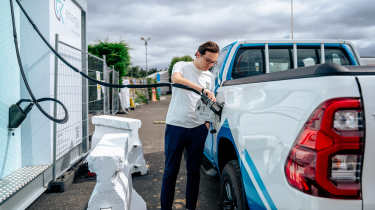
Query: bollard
point(153, 95)
point(113, 189)
point(112, 124)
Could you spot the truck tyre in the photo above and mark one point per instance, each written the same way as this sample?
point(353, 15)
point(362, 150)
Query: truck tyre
point(232, 196)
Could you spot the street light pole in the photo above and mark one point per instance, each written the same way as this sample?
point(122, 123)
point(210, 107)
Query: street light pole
point(146, 43)
point(291, 19)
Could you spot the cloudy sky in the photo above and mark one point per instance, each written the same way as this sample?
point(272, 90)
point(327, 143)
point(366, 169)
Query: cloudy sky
point(177, 27)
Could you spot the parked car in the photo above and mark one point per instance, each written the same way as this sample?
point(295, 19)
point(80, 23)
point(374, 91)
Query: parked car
point(297, 127)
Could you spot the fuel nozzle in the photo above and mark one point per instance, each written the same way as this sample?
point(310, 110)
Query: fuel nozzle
point(214, 106)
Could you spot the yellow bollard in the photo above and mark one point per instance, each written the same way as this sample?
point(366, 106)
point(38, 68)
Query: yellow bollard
point(132, 105)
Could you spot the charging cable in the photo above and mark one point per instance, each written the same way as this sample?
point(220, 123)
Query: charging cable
point(16, 113)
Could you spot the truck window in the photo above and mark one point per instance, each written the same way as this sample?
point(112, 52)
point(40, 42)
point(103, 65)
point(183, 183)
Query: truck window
point(336, 56)
point(248, 62)
point(307, 57)
point(280, 59)
point(251, 61)
point(311, 56)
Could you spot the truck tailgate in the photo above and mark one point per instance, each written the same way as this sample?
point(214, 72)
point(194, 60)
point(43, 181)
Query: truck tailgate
point(367, 85)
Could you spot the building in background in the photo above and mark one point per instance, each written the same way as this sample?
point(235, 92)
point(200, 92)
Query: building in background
point(368, 61)
point(161, 77)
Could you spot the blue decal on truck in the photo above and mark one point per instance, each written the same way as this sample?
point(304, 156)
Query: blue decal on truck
point(352, 58)
point(259, 180)
point(252, 196)
point(224, 63)
point(224, 133)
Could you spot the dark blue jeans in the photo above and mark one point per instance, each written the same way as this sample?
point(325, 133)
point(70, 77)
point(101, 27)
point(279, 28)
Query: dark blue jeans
point(176, 140)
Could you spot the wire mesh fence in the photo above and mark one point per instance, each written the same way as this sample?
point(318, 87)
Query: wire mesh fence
point(69, 92)
point(96, 92)
point(70, 138)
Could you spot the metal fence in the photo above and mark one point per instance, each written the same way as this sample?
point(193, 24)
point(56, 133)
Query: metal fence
point(83, 99)
point(69, 139)
point(96, 92)
point(102, 100)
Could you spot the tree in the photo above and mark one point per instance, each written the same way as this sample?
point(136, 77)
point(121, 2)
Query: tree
point(138, 72)
point(133, 71)
point(175, 60)
point(116, 53)
point(152, 70)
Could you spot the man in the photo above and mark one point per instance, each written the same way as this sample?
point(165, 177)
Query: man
point(184, 129)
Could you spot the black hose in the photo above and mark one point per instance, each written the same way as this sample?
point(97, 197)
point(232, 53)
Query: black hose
point(33, 99)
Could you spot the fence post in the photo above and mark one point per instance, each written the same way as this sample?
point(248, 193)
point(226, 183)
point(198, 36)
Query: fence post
point(105, 77)
point(117, 102)
point(113, 90)
point(85, 94)
point(55, 110)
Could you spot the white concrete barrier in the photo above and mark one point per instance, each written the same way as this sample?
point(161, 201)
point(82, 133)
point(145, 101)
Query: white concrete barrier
point(112, 124)
point(113, 189)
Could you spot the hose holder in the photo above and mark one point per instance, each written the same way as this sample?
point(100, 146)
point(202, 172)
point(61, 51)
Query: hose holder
point(17, 115)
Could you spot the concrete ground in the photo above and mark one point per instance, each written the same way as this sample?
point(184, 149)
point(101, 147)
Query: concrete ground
point(148, 186)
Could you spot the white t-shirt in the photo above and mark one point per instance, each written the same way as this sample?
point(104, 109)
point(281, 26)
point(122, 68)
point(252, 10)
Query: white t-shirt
point(181, 111)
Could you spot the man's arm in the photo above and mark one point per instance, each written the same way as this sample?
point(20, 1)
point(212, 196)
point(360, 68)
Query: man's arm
point(178, 78)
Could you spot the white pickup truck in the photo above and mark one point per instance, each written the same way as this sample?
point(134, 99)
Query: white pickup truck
point(294, 134)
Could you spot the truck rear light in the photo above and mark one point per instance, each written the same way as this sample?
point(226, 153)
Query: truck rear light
point(326, 158)
point(348, 120)
point(346, 168)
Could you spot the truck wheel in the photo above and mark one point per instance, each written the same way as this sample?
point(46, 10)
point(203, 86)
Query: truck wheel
point(231, 188)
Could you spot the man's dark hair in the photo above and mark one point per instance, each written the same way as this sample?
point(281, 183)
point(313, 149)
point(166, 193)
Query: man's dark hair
point(209, 46)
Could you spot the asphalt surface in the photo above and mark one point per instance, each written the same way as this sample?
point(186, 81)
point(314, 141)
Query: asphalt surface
point(148, 186)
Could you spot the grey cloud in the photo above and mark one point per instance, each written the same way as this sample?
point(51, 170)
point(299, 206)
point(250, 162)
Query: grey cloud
point(177, 27)
point(368, 52)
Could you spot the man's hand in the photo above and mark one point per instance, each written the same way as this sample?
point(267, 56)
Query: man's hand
point(207, 124)
point(209, 94)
